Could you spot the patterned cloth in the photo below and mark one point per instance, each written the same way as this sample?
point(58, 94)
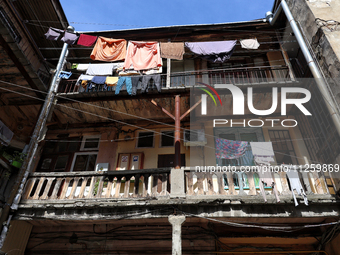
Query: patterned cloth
point(230, 149)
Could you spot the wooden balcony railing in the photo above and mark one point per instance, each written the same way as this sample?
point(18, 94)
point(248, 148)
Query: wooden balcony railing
point(247, 183)
point(155, 183)
point(98, 185)
point(236, 76)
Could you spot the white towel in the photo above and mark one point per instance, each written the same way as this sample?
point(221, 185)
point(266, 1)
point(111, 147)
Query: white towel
point(100, 69)
point(250, 44)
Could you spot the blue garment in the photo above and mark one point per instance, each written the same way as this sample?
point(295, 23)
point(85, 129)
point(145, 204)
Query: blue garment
point(121, 81)
point(100, 80)
point(65, 75)
point(97, 80)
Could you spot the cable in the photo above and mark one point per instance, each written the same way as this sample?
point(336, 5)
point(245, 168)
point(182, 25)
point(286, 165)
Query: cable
point(270, 228)
point(150, 130)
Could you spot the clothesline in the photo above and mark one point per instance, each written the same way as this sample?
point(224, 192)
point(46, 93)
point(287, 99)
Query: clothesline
point(108, 49)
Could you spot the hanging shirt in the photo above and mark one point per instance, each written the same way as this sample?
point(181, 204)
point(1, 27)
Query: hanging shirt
point(53, 34)
point(250, 44)
point(295, 184)
point(100, 69)
point(86, 40)
point(172, 50)
point(143, 55)
point(69, 38)
point(230, 149)
point(263, 152)
point(217, 52)
point(100, 80)
point(107, 49)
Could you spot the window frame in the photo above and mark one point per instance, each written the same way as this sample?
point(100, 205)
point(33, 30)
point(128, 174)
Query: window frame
point(83, 142)
point(83, 153)
point(153, 139)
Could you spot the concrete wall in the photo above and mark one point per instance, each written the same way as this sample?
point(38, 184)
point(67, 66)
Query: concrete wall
point(325, 43)
point(108, 151)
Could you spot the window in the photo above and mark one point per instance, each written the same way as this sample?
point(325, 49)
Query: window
point(90, 143)
point(240, 134)
point(283, 147)
point(84, 161)
point(167, 138)
point(145, 140)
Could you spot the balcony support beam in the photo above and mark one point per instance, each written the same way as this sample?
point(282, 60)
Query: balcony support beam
point(176, 222)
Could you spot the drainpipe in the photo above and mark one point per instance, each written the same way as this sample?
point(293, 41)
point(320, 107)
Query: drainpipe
point(37, 133)
point(330, 103)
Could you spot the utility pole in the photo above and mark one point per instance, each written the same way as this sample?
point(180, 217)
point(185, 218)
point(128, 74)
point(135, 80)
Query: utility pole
point(33, 145)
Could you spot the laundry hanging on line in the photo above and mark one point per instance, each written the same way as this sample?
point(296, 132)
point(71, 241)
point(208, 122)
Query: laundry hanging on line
point(108, 50)
point(217, 51)
point(143, 55)
point(263, 152)
point(86, 40)
point(229, 149)
point(65, 75)
point(172, 50)
point(295, 184)
point(250, 44)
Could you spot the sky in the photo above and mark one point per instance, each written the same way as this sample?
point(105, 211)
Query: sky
point(101, 15)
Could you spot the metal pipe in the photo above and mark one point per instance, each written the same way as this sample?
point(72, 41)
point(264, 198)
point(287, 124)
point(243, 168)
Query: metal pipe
point(177, 132)
point(330, 104)
point(37, 133)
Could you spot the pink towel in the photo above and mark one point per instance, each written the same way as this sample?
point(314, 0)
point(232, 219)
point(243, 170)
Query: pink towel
point(142, 55)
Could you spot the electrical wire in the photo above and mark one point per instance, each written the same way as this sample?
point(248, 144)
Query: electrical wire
point(287, 229)
point(139, 127)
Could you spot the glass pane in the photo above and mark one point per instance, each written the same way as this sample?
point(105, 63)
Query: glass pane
point(145, 139)
point(49, 147)
point(228, 136)
point(167, 138)
point(91, 162)
point(61, 147)
point(61, 162)
point(91, 143)
point(249, 137)
point(46, 163)
point(74, 145)
point(85, 162)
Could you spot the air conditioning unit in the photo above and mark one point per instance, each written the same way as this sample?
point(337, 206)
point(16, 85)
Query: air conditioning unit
point(194, 137)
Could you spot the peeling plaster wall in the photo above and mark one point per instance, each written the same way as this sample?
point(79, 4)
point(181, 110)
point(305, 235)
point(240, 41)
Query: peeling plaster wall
point(325, 43)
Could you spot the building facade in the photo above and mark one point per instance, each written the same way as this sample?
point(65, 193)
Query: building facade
point(150, 170)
